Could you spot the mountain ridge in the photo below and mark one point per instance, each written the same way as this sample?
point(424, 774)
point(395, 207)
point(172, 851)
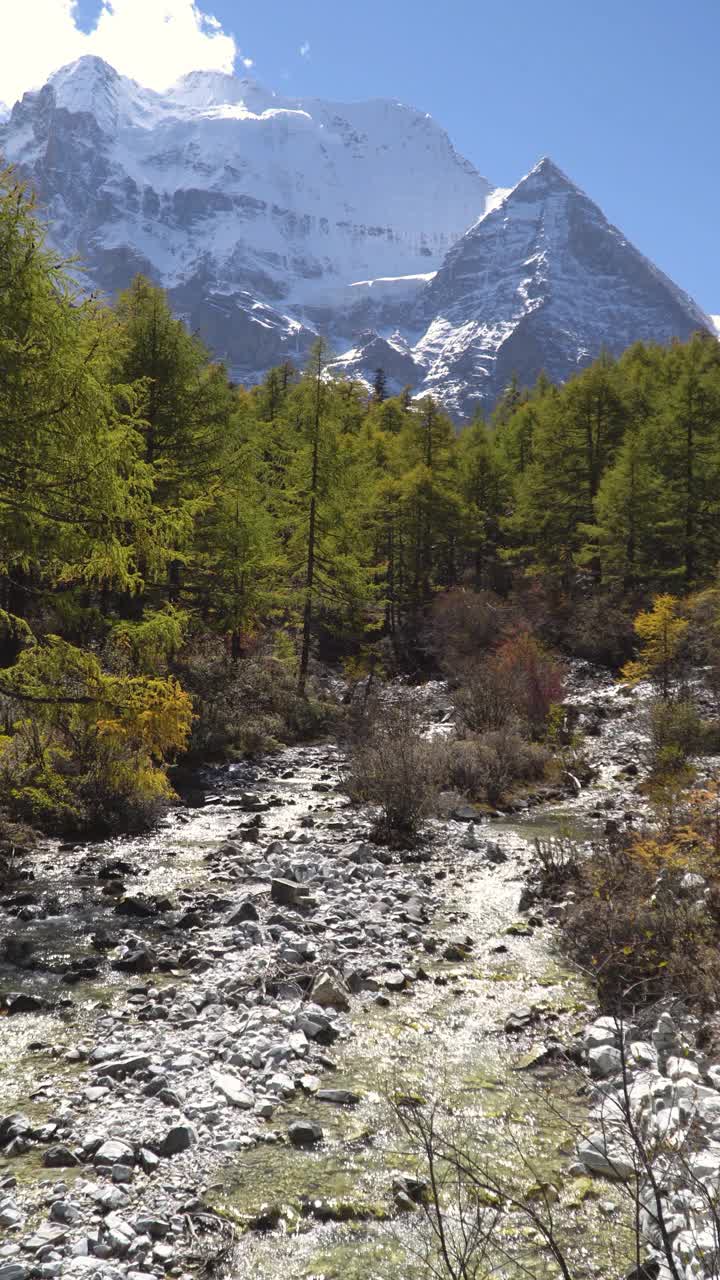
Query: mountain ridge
point(271, 219)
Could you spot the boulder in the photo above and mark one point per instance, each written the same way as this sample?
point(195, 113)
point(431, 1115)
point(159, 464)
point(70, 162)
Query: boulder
point(15, 1125)
point(233, 1090)
point(520, 1019)
point(179, 1138)
point(303, 1133)
point(287, 893)
point(139, 959)
point(245, 910)
point(598, 1155)
point(124, 1067)
point(114, 1151)
point(604, 1060)
point(59, 1157)
point(24, 1002)
point(330, 991)
point(340, 1097)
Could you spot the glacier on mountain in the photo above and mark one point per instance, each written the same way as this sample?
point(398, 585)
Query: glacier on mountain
point(270, 219)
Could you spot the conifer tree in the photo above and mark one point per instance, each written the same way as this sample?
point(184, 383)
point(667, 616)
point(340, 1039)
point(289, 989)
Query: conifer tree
point(321, 506)
point(74, 491)
point(379, 386)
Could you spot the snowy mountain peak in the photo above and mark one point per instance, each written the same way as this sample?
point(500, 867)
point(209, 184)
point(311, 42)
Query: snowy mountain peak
point(204, 90)
point(90, 86)
point(541, 282)
point(547, 170)
point(271, 219)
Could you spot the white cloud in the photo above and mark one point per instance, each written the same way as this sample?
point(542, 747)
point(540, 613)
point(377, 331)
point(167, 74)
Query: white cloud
point(154, 41)
point(305, 49)
point(248, 63)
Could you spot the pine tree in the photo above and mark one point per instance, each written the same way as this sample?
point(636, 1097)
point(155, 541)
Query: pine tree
point(186, 406)
point(322, 507)
point(74, 492)
point(483, 493)
point(575, 435)
point(379, 386)
point(688, 449)
point(187, 400)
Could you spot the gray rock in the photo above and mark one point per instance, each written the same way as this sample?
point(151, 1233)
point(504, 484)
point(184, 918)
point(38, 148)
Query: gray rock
point(106, 1053)
point(520, 1019)
point(147, 1160)
point(66, 1212)
point(10, 1215)
point(457, 949)
point(233, 1089)
point(303, 1133)
point(287, 893)
point(114, 1151)
point(340, 1097)
point(15, 1125)
point(598, 1155)
point(330, 991)
point(363, 855)
point(124, 1067)
point(597, 1035)
point(46, 1236)
point(604, 1061)
point(246, 910)
point(466, 813)
point(179, 1138)
point(24, 1002)
point(59, 1157)
point(14, 1271)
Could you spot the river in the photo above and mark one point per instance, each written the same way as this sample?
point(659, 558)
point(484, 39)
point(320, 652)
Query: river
point(222, 997)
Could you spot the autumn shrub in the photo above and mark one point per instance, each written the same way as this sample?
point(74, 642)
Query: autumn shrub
point(482, 700)
point(676, 733)
point(487, 766)
point(87, 751)
point(463, 625)
point(532, 677)
point(600, 630)
point(397, 771)
point(247, 706)
point(643, 922)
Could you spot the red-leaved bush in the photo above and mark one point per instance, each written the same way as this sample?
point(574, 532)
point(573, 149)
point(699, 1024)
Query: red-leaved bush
point(530, 678)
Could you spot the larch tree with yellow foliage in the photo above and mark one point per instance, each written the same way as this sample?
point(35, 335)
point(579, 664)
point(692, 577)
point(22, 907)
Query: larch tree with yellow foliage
point(661, 631)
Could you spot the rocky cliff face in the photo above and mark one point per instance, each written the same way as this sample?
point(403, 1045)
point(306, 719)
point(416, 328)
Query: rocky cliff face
point(543, 281)
point(271, 219)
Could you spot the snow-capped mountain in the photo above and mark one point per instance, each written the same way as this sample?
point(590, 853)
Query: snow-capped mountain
point(270, 219)
point(542, 281)
point(256, 212)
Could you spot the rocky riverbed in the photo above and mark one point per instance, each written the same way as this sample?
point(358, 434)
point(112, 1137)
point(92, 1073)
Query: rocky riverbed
point(213, 1018)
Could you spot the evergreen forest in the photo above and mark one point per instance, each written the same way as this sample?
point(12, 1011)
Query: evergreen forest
point(183, 560)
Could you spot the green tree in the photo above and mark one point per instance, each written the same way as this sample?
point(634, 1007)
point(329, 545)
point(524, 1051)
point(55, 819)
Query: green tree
point(323, 507)
point(74, 489)
point(379, 386)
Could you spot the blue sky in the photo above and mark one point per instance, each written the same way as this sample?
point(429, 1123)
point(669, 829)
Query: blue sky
point(623, 94)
